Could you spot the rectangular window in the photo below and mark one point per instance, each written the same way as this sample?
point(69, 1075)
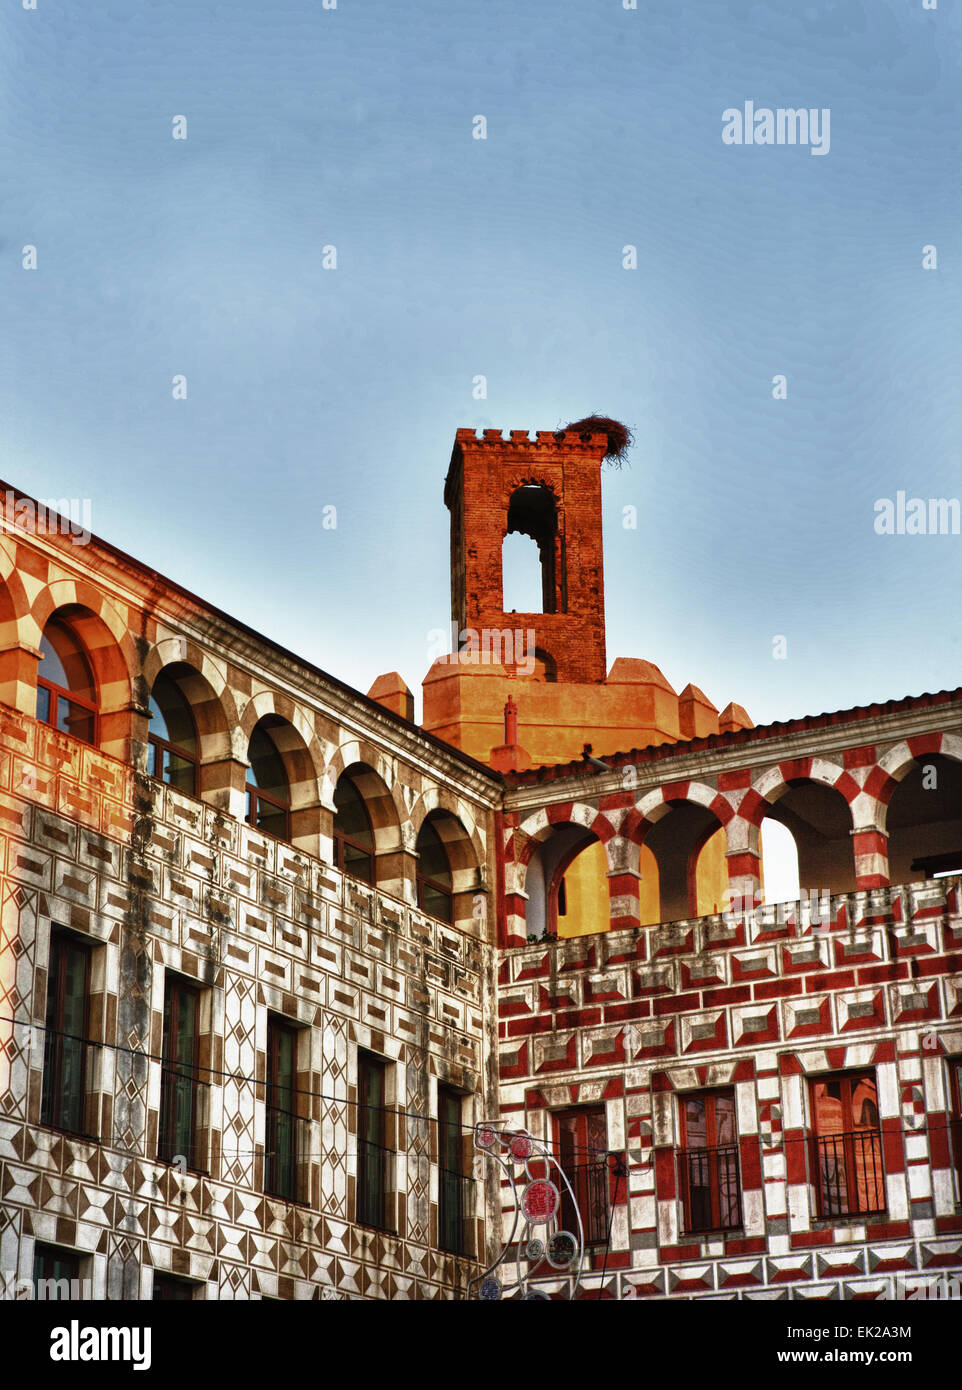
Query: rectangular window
point(375, 1160)
point(180, 1088)
point(582, 1154)
point(281, 1149)
point(452, 1184)
point(56, 1274)
point(955, 1116)
point(65, 1064)
point(169, 1289)
point(708, 1163)
point(848, 1145)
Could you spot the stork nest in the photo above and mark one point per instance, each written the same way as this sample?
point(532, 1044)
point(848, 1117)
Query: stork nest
point(620, 437)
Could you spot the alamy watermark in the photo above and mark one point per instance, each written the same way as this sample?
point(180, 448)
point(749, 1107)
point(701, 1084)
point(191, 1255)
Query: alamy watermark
point(64, 516)
point(21, 1290)
point(917, 516)
point(486, 646)
point(760, 125)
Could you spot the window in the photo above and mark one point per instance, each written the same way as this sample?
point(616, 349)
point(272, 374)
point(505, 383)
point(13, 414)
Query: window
point(268, 790)
point(180, 1087)
point(56, 1274)
point(708, 1162)
point(353, 835)
point(452, 1184)
point(375, 1160)
point(848, 1145)
point(66, 690)
point(434, 879)
point(582, 1154)
point(283, 1122)
point(955, 1116)
point(63, 1099)
point(169, 1289)
point(172, 737)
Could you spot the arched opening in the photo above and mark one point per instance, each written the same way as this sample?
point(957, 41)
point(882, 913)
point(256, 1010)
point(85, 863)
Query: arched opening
point(528, 575)
point(820, 822)
point(678, 840)
point(924, 820)
point(172, 746)
point(353, 832)
point(447, 872)
point(711, 873)
point(566, 884)
point(67, 696)
point(435, 881)
point(779, 863)
point(268, 786)
point(545, 666)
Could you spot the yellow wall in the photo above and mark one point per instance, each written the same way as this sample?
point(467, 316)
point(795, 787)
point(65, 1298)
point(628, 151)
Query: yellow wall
point(586, 888)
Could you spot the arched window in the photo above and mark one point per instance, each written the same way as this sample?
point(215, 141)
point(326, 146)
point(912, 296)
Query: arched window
point(172, 736)
point(528, 570)
point(268, 790)
point(353, 834)
point(434, 880)
point(66, 690)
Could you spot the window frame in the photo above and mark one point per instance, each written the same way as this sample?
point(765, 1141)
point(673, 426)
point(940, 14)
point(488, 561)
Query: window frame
point(425, 883)
point(56, 693)
point(168, 1145)
point(713, 1185)
point(586, 1178)
point(44, 1256)
point(375, 1181)
point(158, 746)
point(341, 839)
point(52, 1082)
point(452, 1182)
point(282, 1176)
point(849, 1078)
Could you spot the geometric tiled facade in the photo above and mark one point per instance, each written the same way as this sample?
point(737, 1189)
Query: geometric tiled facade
point(864, 974)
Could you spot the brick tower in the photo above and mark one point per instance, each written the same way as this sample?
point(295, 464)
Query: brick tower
point(548, 488)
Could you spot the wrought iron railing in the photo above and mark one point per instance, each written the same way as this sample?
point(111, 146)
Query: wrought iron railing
point(850, 1176)
point(710, 1189)
point(375, 1173)
point(454, 1191)
point(590, 1184)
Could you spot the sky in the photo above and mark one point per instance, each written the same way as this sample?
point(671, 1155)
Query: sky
point(755, 570)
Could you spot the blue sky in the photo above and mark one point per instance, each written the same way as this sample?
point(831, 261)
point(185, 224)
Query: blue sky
point(502, 257)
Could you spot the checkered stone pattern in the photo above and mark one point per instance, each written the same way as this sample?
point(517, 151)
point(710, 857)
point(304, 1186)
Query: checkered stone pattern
point(670, 1031)
point(265, 930)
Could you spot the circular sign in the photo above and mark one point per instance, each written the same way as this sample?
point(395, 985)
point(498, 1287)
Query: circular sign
point(534, 1250)
point(485, 1137)
point(490, 1289)
point(539, 1201)
point(562, 1250)
point(520, 1147)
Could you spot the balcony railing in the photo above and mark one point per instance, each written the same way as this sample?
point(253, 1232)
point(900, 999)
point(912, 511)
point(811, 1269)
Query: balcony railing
point(454, 1191)
point(286, 1155)
point(590, 1184)
point(375, 1173)
point(710, 1188)
point(850, 1177)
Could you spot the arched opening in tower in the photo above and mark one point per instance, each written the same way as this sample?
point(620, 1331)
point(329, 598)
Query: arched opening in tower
point(528, 552)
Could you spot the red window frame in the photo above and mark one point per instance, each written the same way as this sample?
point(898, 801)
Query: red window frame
point(709, 1176)
point(955, 1116)
point(581, 1139)
point(847, 1162)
